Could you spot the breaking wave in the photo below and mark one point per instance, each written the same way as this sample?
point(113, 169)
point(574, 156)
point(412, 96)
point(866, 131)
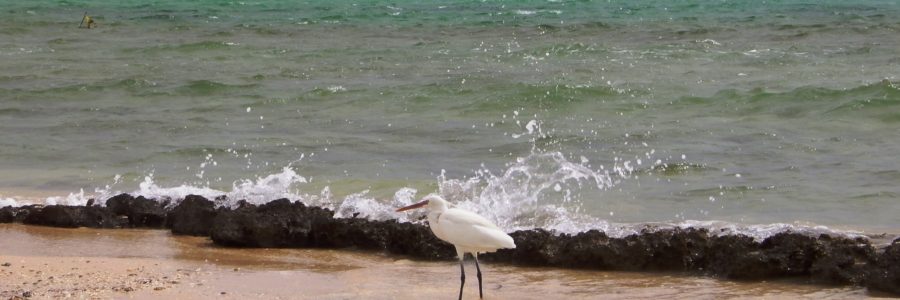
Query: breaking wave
point(540, 190)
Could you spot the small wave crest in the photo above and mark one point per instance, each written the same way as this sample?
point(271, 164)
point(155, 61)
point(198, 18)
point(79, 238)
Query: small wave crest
point(254, 191)
point(4, 202)
point(536, 191)
point(876, 100)
point(760, 232)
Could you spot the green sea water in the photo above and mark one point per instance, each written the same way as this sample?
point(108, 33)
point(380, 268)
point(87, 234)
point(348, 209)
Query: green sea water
point(561, 114)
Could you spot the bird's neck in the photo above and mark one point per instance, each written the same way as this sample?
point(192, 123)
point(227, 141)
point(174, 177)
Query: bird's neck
point(434, 215)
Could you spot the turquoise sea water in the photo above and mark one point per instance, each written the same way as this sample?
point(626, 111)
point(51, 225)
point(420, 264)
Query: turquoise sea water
point(560, 114)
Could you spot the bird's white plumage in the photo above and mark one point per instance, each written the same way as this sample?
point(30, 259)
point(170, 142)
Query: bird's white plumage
point(470, 232)
point(467, 231)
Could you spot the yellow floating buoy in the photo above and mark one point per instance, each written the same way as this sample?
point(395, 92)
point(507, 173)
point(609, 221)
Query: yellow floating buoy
point(87, 22)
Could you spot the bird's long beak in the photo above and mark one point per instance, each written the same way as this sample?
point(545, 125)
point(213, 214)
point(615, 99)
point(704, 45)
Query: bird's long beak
point(417, 205)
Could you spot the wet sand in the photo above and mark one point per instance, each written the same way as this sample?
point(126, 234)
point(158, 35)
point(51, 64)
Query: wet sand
point(48, 262)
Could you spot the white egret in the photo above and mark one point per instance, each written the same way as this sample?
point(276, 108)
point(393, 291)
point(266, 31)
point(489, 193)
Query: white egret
point(467, 231)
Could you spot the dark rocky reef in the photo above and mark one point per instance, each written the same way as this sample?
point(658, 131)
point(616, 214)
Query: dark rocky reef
point(825, 259)
point(885, 275)
point(11, 214)
point(278, 223)
point(193, 216)
point(60, 216)
point(8, 214)
point(139, 212)
point(72, 216)
point(281, 223)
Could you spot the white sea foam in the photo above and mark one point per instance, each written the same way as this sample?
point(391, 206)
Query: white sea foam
point(4, 202)
point(364, 206)
point(761, 231)
point(336, 88)
point(72, 199)
point(539, 190)
point(525, 196)
point(257, 191)
point(535, 191)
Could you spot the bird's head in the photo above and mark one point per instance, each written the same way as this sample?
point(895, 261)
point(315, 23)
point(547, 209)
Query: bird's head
point(432, 202)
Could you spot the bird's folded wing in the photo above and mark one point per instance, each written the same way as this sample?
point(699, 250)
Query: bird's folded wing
point(463, 228)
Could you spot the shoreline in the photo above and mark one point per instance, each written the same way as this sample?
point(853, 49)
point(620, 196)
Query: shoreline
point(146, 264)
point(882, 235)
point(804, 257)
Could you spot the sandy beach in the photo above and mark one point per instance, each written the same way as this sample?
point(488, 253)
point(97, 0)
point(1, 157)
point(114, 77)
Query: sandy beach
point(702, 149)
point(42, 262)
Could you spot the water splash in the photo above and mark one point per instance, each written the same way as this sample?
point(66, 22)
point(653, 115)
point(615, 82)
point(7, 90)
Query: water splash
point(4, 202)
point(540, 190)
point(364, 206)
point(72, 199)
point(535, 191)
point(258, 191)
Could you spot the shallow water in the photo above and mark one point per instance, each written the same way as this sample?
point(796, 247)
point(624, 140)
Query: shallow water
point(338, 274)
point(558, 114)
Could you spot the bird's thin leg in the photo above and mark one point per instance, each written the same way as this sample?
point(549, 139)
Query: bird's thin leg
point(478, 274)
point(462, 277)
